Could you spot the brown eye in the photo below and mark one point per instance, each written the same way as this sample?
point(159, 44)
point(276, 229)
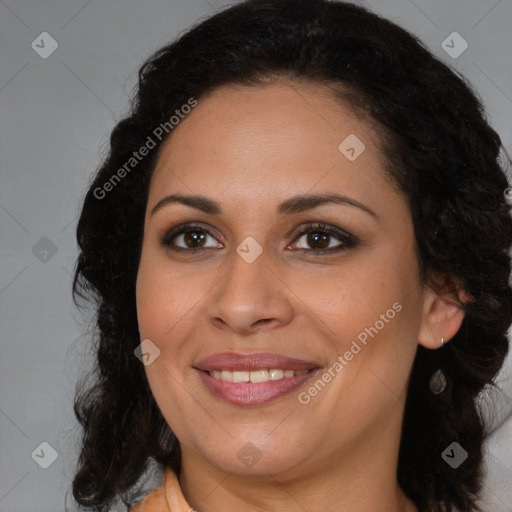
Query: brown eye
point(320, 239)
point(193, 239)
point(189, 238)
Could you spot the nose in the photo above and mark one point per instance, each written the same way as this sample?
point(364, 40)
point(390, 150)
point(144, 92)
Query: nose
point(251, 298)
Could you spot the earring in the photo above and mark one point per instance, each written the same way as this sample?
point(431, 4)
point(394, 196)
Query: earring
point(437, 382)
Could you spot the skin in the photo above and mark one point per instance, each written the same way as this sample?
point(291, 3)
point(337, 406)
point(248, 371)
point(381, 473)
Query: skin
point(249, 149)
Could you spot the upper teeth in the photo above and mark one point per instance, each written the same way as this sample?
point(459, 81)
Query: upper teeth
point(254, 376)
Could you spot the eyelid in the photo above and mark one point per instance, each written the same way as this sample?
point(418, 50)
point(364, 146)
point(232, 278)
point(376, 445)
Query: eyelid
point(313, 226)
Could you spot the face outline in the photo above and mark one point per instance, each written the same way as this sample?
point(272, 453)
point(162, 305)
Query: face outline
point(250, 149)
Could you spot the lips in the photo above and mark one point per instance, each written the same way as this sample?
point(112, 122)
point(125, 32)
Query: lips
point(232, 361)
point(253, 393)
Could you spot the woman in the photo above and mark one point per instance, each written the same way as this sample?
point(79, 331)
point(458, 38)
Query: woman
point(298, 251)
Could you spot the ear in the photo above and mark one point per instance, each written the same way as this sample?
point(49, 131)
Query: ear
point(442, 315)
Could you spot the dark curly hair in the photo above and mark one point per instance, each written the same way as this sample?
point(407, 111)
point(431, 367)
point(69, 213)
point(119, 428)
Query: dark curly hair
point(441, 154)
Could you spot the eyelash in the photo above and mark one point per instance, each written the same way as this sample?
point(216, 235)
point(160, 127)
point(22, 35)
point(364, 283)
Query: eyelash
point(347, 241)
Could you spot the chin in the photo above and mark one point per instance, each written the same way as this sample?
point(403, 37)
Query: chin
point(247, 458)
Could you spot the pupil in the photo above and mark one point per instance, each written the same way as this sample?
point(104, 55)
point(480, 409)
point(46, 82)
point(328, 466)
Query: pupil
point(315, 238)
point(194, 236)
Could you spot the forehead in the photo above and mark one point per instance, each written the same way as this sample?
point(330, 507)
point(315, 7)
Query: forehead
point(259, 141)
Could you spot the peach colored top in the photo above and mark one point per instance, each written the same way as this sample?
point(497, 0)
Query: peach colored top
point(167, 498)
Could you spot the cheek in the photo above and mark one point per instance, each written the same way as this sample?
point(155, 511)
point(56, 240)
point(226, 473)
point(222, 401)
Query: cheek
point(352, 298)
point(168, 303)
point(163, 299)
point(161, 314)
point(370, 311)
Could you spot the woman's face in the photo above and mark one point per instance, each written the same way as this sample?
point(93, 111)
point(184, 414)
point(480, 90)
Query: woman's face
point(260, 295)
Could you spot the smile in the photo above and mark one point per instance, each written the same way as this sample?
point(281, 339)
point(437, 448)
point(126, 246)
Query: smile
point(253, 378)
point(246, 389)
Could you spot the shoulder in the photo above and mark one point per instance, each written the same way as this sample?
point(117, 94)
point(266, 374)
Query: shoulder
point(166, 498)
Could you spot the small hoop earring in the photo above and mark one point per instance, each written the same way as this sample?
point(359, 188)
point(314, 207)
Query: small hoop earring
point(442, 342)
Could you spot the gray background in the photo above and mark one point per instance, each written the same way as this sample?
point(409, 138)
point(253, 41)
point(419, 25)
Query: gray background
point(57, 114)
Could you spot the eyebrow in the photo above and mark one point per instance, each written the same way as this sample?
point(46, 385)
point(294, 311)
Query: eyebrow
point(295, 204)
